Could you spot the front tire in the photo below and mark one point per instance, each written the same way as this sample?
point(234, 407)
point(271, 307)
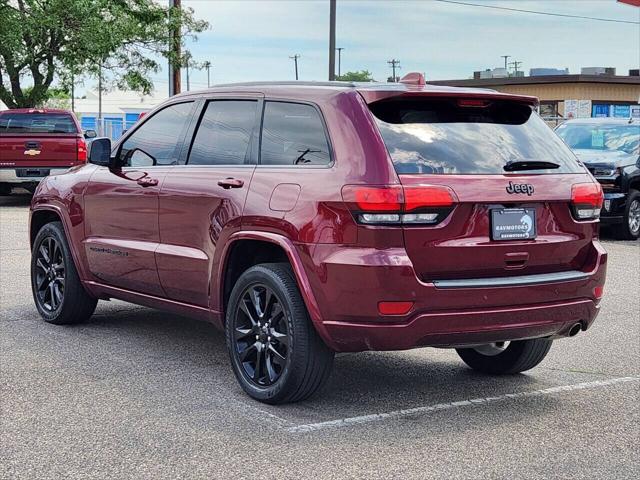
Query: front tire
point(276, 354)
point(57, 291)
point(502, 358)
point(630, 227)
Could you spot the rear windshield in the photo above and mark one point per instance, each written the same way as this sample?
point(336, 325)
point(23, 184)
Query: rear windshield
point(445, 137)
point(622, 138)
point(36, 123)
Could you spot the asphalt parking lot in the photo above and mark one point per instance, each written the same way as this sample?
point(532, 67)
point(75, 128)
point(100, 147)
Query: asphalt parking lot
point(138, 393)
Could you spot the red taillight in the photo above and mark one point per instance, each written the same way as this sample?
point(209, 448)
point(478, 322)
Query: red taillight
point(394, 308)
point(587, 194)
point(427, 196)
point(374, 199)
point(81, 149)
point(393, 204)
point(586, 199)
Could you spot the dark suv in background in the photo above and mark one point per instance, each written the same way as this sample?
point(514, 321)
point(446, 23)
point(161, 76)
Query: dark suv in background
point(311, 218)
point(610, 149)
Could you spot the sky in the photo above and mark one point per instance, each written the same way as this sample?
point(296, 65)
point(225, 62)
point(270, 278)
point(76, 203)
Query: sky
point(253, 40)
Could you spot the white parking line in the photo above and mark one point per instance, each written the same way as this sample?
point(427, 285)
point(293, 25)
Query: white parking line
point(377, 417)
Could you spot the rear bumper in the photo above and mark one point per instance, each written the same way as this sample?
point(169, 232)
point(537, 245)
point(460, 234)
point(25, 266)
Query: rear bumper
point(348, 284)
point(17, 176)
point(452, 329)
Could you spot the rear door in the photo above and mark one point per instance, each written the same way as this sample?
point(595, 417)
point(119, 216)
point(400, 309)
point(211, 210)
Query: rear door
point(38, 139)
point(508, 218)
point(201, 202)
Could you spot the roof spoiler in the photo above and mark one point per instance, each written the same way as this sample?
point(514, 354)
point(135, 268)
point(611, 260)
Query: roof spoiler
point(413, 78)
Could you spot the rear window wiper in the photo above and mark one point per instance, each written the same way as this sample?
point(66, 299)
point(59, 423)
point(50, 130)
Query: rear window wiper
point(514, 165)
point(301, 158)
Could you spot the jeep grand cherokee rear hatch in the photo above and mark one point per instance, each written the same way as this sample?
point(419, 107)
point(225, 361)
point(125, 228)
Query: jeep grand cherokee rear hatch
point(517, 200)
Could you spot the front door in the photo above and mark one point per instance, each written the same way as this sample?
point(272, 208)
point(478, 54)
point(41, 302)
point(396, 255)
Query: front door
point(201, 203)
point(121, 205)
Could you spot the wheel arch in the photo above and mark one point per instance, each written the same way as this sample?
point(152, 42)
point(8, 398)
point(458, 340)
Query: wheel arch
point(284, 250)
point(41, 215)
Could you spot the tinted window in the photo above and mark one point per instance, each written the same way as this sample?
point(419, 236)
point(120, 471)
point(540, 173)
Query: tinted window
point(37, 123)
point(623, 138)
point(155, 142)
point(442, 136)
point(224, 133)
point(293, 134)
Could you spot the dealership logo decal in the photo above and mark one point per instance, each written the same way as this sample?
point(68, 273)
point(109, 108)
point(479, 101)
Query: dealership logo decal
point(520, 188)
point(521, 230)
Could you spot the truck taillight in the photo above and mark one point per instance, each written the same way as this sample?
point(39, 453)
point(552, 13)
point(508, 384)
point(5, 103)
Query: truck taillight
point(81, 149)
point(395, 204)
point(586, 200)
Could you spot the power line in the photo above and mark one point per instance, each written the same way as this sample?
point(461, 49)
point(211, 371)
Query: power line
point(612, 20)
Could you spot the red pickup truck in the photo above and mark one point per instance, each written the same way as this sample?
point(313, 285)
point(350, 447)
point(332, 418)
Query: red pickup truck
point(35, 143)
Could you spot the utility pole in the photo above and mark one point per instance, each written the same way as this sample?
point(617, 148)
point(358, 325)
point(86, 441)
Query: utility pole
point(174, 67)
point(73, 90)
point(100, 125)
point(207, 66)
point(295, 60)
point(339, 49)
point(516, 65)
point(187, 61)
point(332, 39)
point(506, 57)
point(393, 63)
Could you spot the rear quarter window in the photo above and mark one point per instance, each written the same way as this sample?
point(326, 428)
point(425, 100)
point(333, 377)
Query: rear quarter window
point(293, 134)
point(443, 137)
point(34, 123)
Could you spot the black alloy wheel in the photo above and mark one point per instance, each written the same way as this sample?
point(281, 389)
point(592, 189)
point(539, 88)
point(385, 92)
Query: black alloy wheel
point(276, 353)
point(57, 290)
point(261, 335)
point(50, 274)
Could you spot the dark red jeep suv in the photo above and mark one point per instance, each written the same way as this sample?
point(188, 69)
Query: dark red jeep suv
point(306, 219)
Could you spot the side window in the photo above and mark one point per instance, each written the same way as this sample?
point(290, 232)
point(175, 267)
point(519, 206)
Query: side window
point(293, 134)
point(224, 133)
point(156, 141)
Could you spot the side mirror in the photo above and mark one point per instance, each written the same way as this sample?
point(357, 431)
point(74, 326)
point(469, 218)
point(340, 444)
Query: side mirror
point(90, 134)
point(100, 153)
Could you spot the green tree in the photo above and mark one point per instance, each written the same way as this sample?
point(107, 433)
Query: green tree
point(358, 76)
point(44, 39)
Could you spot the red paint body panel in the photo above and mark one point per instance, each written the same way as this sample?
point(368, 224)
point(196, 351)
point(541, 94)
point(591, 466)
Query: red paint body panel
point(167, 246)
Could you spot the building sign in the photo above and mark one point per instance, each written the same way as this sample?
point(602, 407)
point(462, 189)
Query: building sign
point(570, 109)
point(584, 108)
point(621, 111)
point(577, 109)
point(635, 111)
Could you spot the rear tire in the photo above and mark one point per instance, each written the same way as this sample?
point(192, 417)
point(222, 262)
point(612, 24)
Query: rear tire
point(629, 229)
point(57, 291)
point(276, 354)
point(517, 357)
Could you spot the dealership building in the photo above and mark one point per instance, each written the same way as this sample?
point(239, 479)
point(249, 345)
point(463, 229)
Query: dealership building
point(595, 92)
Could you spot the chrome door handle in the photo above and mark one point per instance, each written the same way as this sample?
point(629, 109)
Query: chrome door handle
point(230, 182)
